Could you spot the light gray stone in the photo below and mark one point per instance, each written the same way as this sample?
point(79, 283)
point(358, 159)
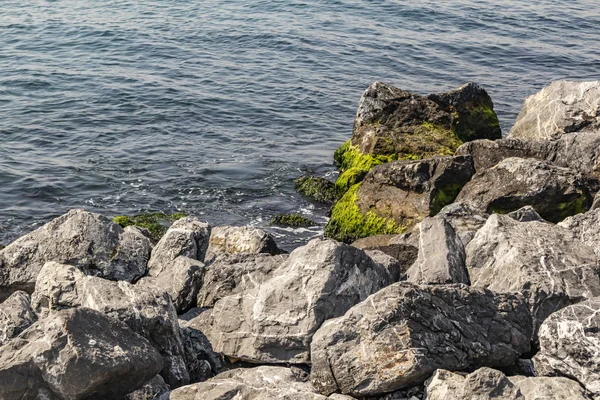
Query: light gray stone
point(231, 240)
point(555, 388)
point(399, 336)
point(540, 260)
point(586, 228)
point(392, 266)
point(16, 315)
point(526, 214)
point(90, 242)
point(560, 108)
point(441, 255)
point(483, 384)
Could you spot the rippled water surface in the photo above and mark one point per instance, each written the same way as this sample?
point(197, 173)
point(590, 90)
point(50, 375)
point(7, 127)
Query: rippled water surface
point(213, 107)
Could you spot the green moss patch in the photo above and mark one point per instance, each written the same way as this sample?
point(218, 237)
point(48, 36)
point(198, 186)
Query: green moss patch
point(348, 223)
point(480, 122)
point(444, 196)
point(156, 223)
point(316, 188)
point(293, 220)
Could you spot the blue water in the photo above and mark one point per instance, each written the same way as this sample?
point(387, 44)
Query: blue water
point(213, 107)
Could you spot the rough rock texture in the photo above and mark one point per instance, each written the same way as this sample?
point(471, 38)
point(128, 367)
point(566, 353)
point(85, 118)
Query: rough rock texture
point(404, 251)
point(91, 242)
point(570, 344)
point(441, 255)
point(260, 383)
point(554, 192)
point(187, 237)
point(394, 268)
point(526, 214)
point(151, 390)
point(239, 239)
point(316, 188)
point(560, 108)
point(275, 321)
point(585, 227)
point(181, 279)
point(399, 336)
point(202, 363)
point(76, 354)
point(487, 384)
point(16, 315)
point(540, 260)
point(234, 274)
point(146, 309)
point(464, 219)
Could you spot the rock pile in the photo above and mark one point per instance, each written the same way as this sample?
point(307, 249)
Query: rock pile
point(483, 281)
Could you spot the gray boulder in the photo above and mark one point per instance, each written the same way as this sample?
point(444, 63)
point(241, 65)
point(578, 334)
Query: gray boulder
point(554, 192)
point(201, 361)
point(235, 274)
point(266, 383)
point(399, 247)
point(90, 242)
point(274, 322)
point(399, 336)
point(239, 239)
point(76, 354)
point(152, 389)
point(146, 309)
point(394, 267)
point(16, 315)
point(540, 260)
point(561, 108)
point(586, 228)
point(441, 255)
point(570, 344)
point(558, 388)
point(526, 214)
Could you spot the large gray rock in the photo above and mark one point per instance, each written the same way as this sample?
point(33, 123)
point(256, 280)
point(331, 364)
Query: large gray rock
point(275, 321)
point(146, 309)
point(234, 274)
point(16, 315)
point(151, 390)
point(239, 240)
point(260, 383)
point(554, 192)
point(201, 361)
point(399, 336)
point(405, 251)
point(488, 384)
point(441, 255)
point(586, 228)
point(570, 344)
point(538, 259)
point(88, 241)
point(76, 354)
point(560, 108)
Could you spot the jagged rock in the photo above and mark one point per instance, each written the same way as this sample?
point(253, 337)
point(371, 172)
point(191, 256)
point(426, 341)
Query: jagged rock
point(570, 344)
point(146, 309)
point(441, 255)
point(400, 335)
point(397, 195)
point(274, 322)
point(487, 384)
point(151, 390)
point(540, 260)
point(316, 188)
point(464, 219)
point(16, 315)
point(391, 265)
point(266, 382)
point(236, 273)
point(596, 203)
point(586, 228)
point(91, 242)
point(76, 354)
point(526, 214)
point(186, 237)
point(230, 240)
point(560, 108)
point(403, 250)
point(554, 192)
point(202, 363)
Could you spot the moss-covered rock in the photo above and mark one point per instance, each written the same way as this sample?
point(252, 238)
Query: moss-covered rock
point(155, 223)
point(316, 188)
point(293, 220)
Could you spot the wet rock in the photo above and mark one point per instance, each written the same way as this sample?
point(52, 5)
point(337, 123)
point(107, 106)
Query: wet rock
point(151, 390)
point(540, 260)
point(16, 315)
point(441, 255)
point(229, 240)
point(558, 109)
point(237, 273)
point(586, 228)
point(292, 220)
point(152, 225)
point(395, 196)
point(88, 241)
point(146, 309)
point(274, 322)
point(554, 192)
point(570, 344)
point(400, 335)
point(265, 382)
point(316, 188)
point(76, 354)
point(526, 214)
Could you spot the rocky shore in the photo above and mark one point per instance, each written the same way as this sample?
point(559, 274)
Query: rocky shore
point(457, 264)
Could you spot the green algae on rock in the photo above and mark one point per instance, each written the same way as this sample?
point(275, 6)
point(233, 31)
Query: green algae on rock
point(316, 188)
point(293, 220)
point(156, 223)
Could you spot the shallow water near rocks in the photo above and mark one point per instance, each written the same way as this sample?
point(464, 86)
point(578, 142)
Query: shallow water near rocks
point(214, 107)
